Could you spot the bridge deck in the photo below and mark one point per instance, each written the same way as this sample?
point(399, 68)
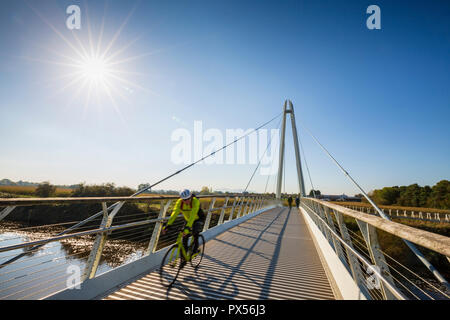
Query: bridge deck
point(271, 256)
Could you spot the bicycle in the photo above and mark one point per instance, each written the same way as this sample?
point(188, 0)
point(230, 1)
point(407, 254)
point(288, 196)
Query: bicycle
point(168, 272)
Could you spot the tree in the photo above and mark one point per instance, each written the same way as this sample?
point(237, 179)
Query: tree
point(389, 195)
point(440, 195)
point(317, 192)
point(45, 190)
point(144, 185)
point(205, 190)
point(410, 197)
point(414, 195)
point(103, 190)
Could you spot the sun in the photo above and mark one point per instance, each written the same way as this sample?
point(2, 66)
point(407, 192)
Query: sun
point(94, 72)
point(95, 69)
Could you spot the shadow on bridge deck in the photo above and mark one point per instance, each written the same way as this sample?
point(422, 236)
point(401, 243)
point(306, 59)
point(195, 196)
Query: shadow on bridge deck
point(271, 256)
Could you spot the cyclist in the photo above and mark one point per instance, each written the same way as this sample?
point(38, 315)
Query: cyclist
point(189, 205)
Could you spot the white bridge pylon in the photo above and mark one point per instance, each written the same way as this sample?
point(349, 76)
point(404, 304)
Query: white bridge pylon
point(289, 109)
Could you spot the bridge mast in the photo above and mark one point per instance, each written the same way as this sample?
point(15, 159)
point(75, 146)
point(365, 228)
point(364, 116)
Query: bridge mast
point(289, 109)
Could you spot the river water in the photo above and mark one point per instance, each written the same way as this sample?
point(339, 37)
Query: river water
point(55, 266)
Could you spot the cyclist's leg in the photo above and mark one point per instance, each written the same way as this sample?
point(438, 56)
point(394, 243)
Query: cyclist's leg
point(185, 245)
point(196, 229)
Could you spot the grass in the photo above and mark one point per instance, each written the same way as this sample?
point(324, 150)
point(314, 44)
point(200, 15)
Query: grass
point(30, 191)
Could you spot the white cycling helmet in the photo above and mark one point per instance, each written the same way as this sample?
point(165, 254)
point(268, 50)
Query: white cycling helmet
point(185, 194)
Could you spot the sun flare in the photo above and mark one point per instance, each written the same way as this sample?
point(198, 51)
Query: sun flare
point(95, 72)
point(94, 69)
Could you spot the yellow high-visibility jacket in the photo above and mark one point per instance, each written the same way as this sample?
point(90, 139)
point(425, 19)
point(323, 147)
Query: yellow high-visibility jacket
point(189, 212)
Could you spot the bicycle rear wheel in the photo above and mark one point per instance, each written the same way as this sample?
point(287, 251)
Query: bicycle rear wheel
point(197, 257)
point(170, 266)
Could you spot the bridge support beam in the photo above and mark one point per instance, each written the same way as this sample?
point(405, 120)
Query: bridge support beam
point(100, 240)
point(158, 227)
point(352, 259)
point(208, 216)
point(289, 109)
point(236, 201)
point(370, 236)
point(6, 211)
point(222, 213)
point(337, 245)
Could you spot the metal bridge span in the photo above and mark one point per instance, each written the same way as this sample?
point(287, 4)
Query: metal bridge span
point(255, 249)
point(271, 256)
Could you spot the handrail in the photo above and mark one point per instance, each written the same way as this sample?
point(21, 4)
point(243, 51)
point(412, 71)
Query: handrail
point(426, 239)
point(70, 200)
point(254, 203)
point(82, 233)
point(324, 213)
point(392, 288)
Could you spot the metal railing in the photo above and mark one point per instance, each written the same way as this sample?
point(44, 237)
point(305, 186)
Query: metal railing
point(405, 213)
point(354, 237)
point(32, 265)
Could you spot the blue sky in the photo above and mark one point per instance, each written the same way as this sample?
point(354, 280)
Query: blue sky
point(379, 100)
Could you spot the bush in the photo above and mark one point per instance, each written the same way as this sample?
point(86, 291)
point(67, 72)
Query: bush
point(45, 190)
point(103, 190)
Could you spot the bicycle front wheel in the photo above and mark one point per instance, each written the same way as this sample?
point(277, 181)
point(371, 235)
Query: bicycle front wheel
point(197, 256)
point(170, 266)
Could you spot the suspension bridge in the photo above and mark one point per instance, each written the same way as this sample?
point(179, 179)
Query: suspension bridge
point(256, 247)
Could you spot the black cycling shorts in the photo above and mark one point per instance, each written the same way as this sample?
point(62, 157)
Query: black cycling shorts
point(197, 227)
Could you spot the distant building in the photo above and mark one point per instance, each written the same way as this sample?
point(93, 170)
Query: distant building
point(342, 197)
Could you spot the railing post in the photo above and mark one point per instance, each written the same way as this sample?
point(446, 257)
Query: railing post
point(208, 216)
point(6, 211)
point(353, 260)
point(222, 213)
point(158, 227)
point(370, 236)
point(247, 206)
point(260, 203)
point(321, 213)
point(100, 240)
point(241, 205)
point(236, 200)
point(337, 244)
point(253, 204)
point(316, 209)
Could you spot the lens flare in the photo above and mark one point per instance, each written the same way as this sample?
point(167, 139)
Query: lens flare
point(94, 69)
